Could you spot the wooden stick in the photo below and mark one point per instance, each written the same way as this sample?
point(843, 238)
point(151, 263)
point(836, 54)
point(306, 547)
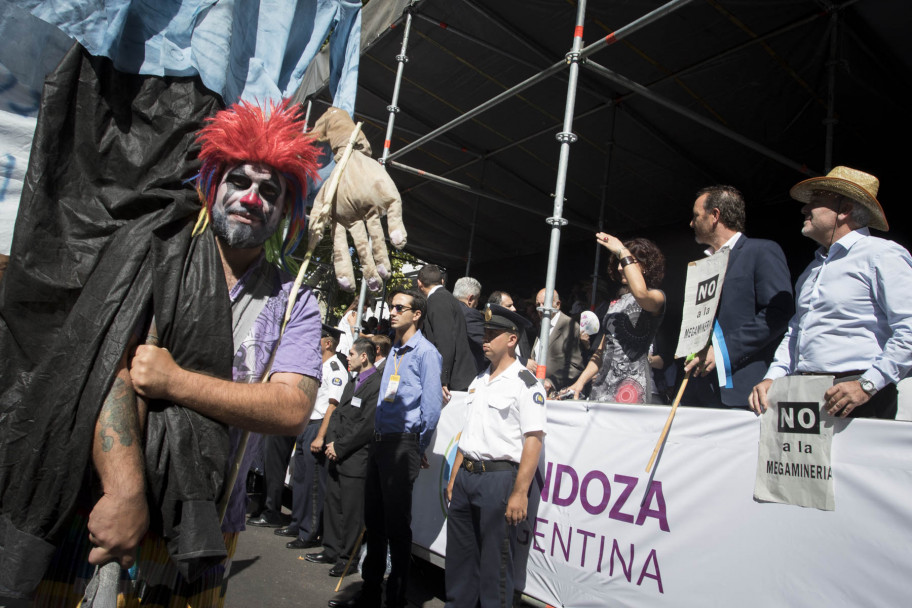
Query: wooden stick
point(671, 415)
point(350, 558)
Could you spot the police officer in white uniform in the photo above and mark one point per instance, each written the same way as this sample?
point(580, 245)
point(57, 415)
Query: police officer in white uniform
point(309, 477)
point(497, 458)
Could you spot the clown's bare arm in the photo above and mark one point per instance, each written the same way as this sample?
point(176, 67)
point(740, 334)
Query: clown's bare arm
point(281, 406)
point(120, 518)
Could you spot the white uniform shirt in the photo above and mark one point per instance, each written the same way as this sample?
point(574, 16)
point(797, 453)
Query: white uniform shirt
point(334, 378)
point(500, 411)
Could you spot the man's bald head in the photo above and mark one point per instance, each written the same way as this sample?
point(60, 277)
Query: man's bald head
point(540, 301)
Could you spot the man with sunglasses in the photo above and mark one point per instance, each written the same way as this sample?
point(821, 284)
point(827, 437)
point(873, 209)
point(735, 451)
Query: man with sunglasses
point(408, 408)
point(498, 454)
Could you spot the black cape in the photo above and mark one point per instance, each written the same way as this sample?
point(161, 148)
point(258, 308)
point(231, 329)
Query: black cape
point(101, 241)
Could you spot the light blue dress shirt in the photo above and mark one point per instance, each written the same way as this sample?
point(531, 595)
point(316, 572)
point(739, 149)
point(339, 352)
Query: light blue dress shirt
point(419, 398)
point(853, 312)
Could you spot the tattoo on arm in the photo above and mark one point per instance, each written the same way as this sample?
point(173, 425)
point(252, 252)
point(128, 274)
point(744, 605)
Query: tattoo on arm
point(309, 386)
point(118, 416)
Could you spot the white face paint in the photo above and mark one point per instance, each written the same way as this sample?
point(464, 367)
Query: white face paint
point(249, 204)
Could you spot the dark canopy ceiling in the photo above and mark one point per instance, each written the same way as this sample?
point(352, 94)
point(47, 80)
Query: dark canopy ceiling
point(764, 70)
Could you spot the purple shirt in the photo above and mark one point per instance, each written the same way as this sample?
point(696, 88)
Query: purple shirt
point(364, 376)
point(298, 353)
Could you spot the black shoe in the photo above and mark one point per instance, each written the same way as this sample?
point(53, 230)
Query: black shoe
point(266, 520)
point(358, 600)
point(349, 603)
point(287, 531)
point(320, 558)
point(302, 544)
point(337, 570)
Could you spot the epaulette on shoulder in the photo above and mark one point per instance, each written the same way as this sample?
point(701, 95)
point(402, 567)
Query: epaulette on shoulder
point(334, 365)
point(527, 377)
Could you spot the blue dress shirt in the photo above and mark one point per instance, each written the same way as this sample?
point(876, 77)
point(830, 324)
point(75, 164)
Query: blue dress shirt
point(419, 398)
point(853, 312)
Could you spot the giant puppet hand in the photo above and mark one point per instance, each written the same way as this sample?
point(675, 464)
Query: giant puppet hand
point(365, 193)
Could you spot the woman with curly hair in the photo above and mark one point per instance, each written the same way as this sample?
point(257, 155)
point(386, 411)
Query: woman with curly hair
point(619, 369)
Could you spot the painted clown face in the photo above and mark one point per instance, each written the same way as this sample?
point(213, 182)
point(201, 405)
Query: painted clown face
point(249, 203)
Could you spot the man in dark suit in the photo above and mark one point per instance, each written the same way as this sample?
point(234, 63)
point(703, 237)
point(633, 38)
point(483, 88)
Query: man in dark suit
point(565, 359)
point(445, 328)
point(347, 438)
point(755, 305)
point(467, 290)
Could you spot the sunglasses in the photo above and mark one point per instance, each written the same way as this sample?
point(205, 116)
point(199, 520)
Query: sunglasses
point(400, 307)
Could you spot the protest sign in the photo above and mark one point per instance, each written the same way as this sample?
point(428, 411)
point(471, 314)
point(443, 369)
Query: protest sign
point(796, 435)
point(701, 299)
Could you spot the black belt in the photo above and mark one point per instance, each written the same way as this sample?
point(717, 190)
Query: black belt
point(834, 374)
point(487, 466)
point(394, 436)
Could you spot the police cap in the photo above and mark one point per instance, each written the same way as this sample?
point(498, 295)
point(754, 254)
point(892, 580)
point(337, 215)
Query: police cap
point(498, 317)
point(327, 331)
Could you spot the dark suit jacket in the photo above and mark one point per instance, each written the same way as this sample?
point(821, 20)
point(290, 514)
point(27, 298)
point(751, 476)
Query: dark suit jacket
point(754, 310)
point(445, 328)
point(351, 427)
point(565, 361)
point(475, 330)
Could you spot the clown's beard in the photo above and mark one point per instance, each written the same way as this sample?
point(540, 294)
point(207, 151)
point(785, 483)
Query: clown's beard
point(238, 235)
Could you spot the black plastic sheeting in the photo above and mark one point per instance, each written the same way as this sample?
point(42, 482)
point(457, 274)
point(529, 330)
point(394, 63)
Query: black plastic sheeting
point(103, 231)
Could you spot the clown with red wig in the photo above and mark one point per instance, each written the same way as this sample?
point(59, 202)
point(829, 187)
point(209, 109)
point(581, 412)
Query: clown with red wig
point(252, 184)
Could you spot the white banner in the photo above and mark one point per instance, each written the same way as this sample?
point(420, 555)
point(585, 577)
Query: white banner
point(701, 298)
point(796, 435)
point(605, 534)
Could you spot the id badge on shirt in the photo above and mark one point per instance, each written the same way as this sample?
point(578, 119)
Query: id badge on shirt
point(391, 388)
point(356, 402)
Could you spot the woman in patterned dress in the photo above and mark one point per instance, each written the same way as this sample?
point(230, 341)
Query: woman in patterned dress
point(619, 369)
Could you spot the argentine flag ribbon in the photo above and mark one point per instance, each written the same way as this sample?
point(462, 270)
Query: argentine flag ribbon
point(723, 361)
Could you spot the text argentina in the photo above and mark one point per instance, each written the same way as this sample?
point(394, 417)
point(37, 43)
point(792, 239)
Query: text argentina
point(563, 486)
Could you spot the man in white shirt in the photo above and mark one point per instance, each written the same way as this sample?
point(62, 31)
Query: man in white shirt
point(854, 301)
point(498, 454)
point(308, 482)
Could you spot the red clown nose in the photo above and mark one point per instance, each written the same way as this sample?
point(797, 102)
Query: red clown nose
point(252, 199)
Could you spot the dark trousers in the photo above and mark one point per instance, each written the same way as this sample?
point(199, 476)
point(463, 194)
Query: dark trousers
point(480, 542)
point(392, 469)
point(276, 454)
point(343, 513)
point(308, 485)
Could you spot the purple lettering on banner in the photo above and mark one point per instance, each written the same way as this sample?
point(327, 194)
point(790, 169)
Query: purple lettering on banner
point(615, 550)
point(544, 484)
point(655, 490)
point(586, 536)
point(598, 567)
point(584, 492)
point(657, 577)
point(615, 512)
point(556, 535)
point(558, 475)
point(537, 534)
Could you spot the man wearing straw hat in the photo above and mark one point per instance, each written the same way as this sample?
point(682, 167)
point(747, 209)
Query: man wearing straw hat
point(173, 467)
point(853, 315)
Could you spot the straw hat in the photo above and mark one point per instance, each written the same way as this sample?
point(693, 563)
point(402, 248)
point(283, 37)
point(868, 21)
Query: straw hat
point(857, 185)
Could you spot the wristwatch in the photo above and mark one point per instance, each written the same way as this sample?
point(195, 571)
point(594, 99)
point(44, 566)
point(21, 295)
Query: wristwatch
point(867, 386)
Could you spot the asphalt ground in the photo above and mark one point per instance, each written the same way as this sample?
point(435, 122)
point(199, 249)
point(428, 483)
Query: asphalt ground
point(265, 573)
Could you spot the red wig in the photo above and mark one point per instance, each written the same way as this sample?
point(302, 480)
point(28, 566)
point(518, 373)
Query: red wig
point(244, 133)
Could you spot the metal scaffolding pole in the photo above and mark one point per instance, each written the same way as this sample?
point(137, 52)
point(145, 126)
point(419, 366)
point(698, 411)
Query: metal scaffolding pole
point(468, 269)
point(831, 119)
point(709, 124)
point(601, 218)
point(393, 109)
point(546, 73)
point(565, 137)
point(467, 188)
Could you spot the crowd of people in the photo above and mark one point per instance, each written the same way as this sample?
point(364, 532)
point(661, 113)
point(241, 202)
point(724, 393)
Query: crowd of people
point(354, 410)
